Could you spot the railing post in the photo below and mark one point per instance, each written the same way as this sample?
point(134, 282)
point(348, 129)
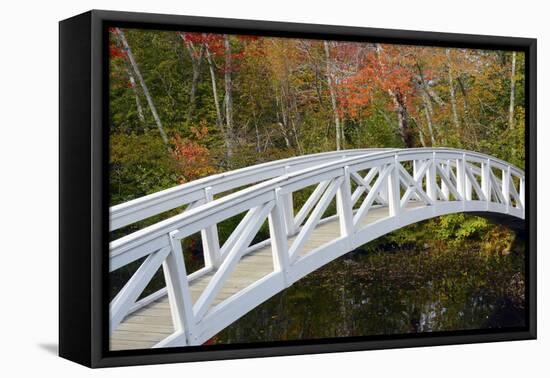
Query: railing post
point(279, 242)
point(506, 187)
point(394, 190)
point(210, 239)
point(486, 180)
point(287, 204)
point(444, 188)
point(288, 210)
point(177, 285)
point(461, 177)
point(343, 205)
point(468, 187)
point(431, 183)
point(384, 191)
point(416, 166)
point(522, 192)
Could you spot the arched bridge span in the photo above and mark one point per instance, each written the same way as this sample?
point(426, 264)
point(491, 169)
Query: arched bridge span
point(374, 191)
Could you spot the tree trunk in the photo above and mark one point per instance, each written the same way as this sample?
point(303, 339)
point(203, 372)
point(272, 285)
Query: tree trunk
point(452, 89)
point(285, 136)
point(512, 92)
point(258, 146)
point(136, 95)
point(317, 85)
point(420, 132)
point(468, 116)
point(428, 112)
point(150, 102)
point(282, 120)
point(402, 120)
point(422, 141)
point(294, 120)
point(332, 90)
point(196, 63)
point(229, 132)
point(211, 66)
point(428, 107)
point(434, 96)
point(342, 128)
point(465, 98)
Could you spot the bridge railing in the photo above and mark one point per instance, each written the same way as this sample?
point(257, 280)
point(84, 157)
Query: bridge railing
point(198, 192)
point(201, 191)
point(413, 184)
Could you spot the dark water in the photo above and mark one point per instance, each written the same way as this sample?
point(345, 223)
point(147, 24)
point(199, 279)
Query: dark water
point(394, 291)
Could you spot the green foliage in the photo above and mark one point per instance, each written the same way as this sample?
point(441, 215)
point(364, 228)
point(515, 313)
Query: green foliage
point(451, 231)
point(459, 227)
point(139, 165)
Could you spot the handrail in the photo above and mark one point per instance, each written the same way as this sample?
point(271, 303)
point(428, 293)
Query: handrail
point(153, 233)
point(147, 206)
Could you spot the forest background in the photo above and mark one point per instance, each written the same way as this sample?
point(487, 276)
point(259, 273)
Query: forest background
point(188, 105)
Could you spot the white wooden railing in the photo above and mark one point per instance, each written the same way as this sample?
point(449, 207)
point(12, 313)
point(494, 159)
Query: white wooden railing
point(436, 181)
point(200, 191)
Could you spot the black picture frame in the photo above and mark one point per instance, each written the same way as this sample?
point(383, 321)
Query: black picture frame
point(83, 181)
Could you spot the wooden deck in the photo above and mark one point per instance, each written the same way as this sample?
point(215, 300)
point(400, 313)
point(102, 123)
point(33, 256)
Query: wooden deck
point(149, 325)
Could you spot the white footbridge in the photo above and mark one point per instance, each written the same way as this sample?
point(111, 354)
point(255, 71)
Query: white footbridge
point(374, 192)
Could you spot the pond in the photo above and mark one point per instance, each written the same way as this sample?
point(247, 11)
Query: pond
point(382, 290)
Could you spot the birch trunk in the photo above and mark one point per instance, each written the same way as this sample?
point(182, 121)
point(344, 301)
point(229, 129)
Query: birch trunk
point(137, 72)
point(295, 120)
point(342, 128)
point(136, 95)
point(212, 68)
point(282, 120)
point(332, 91)
point(196, 63)
point(258, 146)
point(428, 107)
point(422, 142)
point(428, 112)
point(512, 92)
point(452, 89)
point(420, 133)
point(285, 136)
point(229, 132)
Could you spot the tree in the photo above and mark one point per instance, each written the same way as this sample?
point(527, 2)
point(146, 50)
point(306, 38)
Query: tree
point(390, 70)
point(283, 58)
point(137, 72)
point(192, 158)
point(512, 91)
point(452, 87)
point(333, 96)
point(197, 56)
point(228, 99)
point(212, 69)
point(118, 55)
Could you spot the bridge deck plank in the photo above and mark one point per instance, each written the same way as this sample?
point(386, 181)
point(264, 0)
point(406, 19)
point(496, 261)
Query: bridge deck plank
point(149, 325)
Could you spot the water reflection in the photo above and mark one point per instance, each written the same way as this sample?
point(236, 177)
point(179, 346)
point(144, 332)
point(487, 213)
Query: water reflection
point(392, 292)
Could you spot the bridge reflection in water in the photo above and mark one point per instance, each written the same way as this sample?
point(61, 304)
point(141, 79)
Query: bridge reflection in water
point(376, 192)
